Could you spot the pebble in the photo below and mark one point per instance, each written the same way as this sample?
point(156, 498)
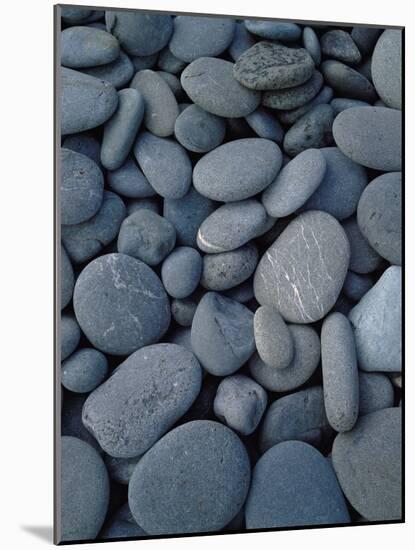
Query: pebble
point(379, 216)
point(86, 144)
point(368, 463)
point(142, 399)
point(231, 226)
point(120, 304)
point(118, 73)
point(274, 30)
point(81, 189)
point(210, 83)
point(142, 62)
point(377, 321)
point(129, 181)
point(265, 125)
point(84, 370)
point(120, 470)
point(313, 130)
point(87, 47)
point(292, 98)
point(340, 104)
point(139, 33)
point(199, 131)
point(290, 117)
point(205, 471)
point(340, 189)
point(306, 357)
point(273, 66)
point(363, 259)
point(156, 156)
point(73, 15)
point(85, 240)
point(70, 335)
point(120, 131)
point(195, 37)
point(347, 82)
point(169, 62)
point(149, 203)
point(244, 292)
point(356, 286)
point(296, 182)
point(312, 44)
point(371, 136)
point(340, 374)
point(222, 334)
point(240, 403)
point(160, 105)
point(183, 310)
point(387, 67)
point(227, 270)
point(238, 169)
point(302, 273)
point(181, 271)
point(173, 83)
point(86, 101)
point(375, 392)
point(84, 491)
point(293, 485)
point(273, 339)
point(365, 38)
point(146, 236)
point(67, 279)
point(242, 41)
point(338, 44)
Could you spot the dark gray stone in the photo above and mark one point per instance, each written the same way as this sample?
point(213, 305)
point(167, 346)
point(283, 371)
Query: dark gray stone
point(290, 117)
point(387, 67)
point(84, 370)
point(73, 14)
point(242, 41)
point(274, 30)
point(183, 310)
point(120, 304)
point(87, 47)
point(363, 259)
point(227, 270)
point(71, 421)
point(292, 98)
point(120, 470)
point(347, 82)
point(313, 130)
point(86, 144)
point(142, 62)
point(118, 73)
point(338, 44)
point(67, 281)
point(70, 335)
point(199, 131)
point(340, 104)
point(375, 392)
point(150, 203)
point(129, 181)
point(265, 125)
point(312, 44)
point(356, 286)
point(273, 340)
point(365, 38)
point(244, 292)
point(169, 62)
point(181, 271)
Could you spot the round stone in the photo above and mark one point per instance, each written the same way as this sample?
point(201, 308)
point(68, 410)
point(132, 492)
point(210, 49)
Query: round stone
point(368, 464)
point(87, 47)
point(84, 370)
point(67, 279)
point(120, 304)
point(363, 259)
point(274, 30)
point(313, 130)
point(118, 73)
point(338, 44)
point(227, 270)
point(209, 82)
point(312, 44)
point(70, 335)
point(199, 131)
point(142, 399)
point(291, 98)
point(347, 82)
point(302, 273)
point(387, 67)
point(375, 392)
point(238, 169)
point(272, 338)
point(181, 271)
point(265, 125)
point(129, 181)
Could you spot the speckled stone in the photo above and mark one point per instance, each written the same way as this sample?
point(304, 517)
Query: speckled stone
point(70, 335)
point(265, 125)
point(84, 490)
point(375, 392)
point(387, 67)
point(169, 62)
point(120, 470)
point(156, 156)
point(338, 44)
point(222, 334)
point(183, 310)
point(296, 182)
point(290, 117)
point(120, 304)
point(86, 144)
point(379, 216)
point(269, 66)
point(274, 30)
point(242, 41)
point(129, 181)
point(356, 285)
point(347, 82)
point(142, 399)
point(365, 38)
point(313, 130)
point(67, 281)
point(199, 131)
point(371, 136)
point(306, 357)
point(377, 321)
point(368, 463)
point(84, 370)
point(273, 340)
point(237, 170)
point(340, 104)
point(118, 73)
point(292, 98)
point(209, 82)
point(227, 270)
point(87, 47)
point(181, 271)
point(363, 259)
point(312, 44)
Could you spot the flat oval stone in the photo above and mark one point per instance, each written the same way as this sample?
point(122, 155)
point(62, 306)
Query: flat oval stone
point(290, 117)
point(313, 130)
point(375, 392)
point(340, 104)
point(238, 169)
point(195, 479)
point(86, 101)
point(341, 187)
point(209, 82)
point(146, 236)
point(363, 259)
point(139, 33)
point(156, 156)
point(87, 47)
point(379, 216)
point(120, 131)
point(294, 485)
point(296, 182)
point(70, 335)
point(195, 37)
point(274, 30)
point(347, 82)
point(302, 273)
point(183, 310)
point(292, 98)
point(84, 490)
point(170, 63)
point(85, 240)
point(84, 370)
point(356, 286)
point(312, 44)
point(120, 304)
point(118, 73)
point(368, 463)
point(161, 109)
point(199, 131)
point(129, 181)
point(265, 125)
point(306, 357)
point(387, 67)
point(294, 417)
point(272, 338)
point(240, 403)
point(181, 271)
point(338, 44)
point(67, 279)
point(231, 226)
point(81, 189)
point(371, 136)
point(222, 334)
point(242, 41)
point(187, 214)
point(377, 322)
point(227, 270)
point(269, 66)
point(142, 399)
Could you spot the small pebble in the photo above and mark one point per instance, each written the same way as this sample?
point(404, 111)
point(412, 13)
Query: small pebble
point(70, 335)
point(292, 98)
point(118, 73)
point(129, 181)
point(365, 38)
point(242, 41)
point(86, 144)
point(363, 259)
point(274, 30)
point(149, 203)
point(169, 62)
point(265, 125)
point(313, 130)
point(312, 44)
point(375, 392)
point(340, 104)
point(84, 370)
point(347, 82)
point(181, 271)
point(227, 270)
point(120, 470)
point(356, 286)
point(290, 117)
point(273, 340)
point(183, 310)
point(199, 131)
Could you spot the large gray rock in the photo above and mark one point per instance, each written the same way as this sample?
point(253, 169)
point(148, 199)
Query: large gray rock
point(313, 130)
point(87, 47)
point(226, 270)
point(363, 259)
point(142, 399)
point(273, 340)
point(387, 67)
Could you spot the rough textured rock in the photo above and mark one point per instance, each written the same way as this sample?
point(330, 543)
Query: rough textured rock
point(292, 98)
point(387, 67)
point(313, 130)
point(228, 269)
point(181, 271)
point(338, 44)
point(273, 339)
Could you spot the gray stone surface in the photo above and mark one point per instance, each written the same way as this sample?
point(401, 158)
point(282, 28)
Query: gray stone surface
point(227, 270)
point(118, 73)
point(387, 67)
point(347, 82)
point(73, 14)
point(356, 285)
point(338, 44)
point(273, 339)
point(70, 335)
point(169, 62)
point(173, 83)
point(265, 125)
point(274, 30)
point(199, 131)
point(181, 271)
point(120, 470)
point(86, 144)
point(290, 117)
point(129, 181)
point(183, 310)
point(121, 525)
point(84, 370)
point(142, 62)
point(149, 203)
point(375, 392)
point(195, 479)
point(312, 44)
point(292, 98)
point(142, 399)
point(67, 281)
point(242, 41)
point(363, 258)
point(313, 130)
point(87, 47)
point(365, 38)
point(340, 104)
